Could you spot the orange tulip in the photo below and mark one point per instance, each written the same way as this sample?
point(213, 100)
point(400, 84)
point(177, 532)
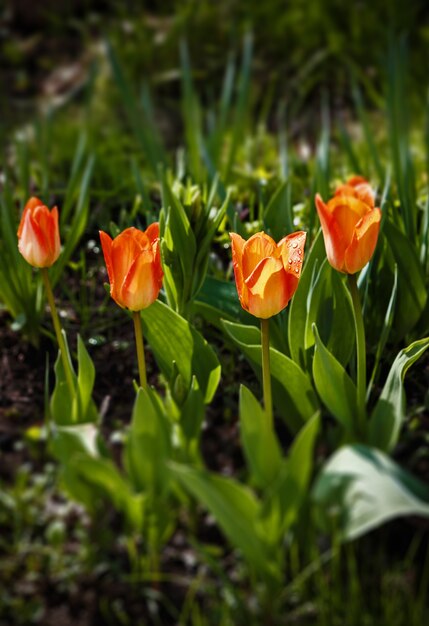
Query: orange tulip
point(350, 224)
point(39, 234)
point(266, 273)
point(133, 264)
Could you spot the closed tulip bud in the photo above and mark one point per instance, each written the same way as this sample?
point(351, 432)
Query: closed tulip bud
point(350, 224)
point(38, 234)
point(266, 273)
point(133, 263)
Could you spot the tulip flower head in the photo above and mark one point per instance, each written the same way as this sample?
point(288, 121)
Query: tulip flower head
point(266, 273)
point(133, 263)
point(350, 224)
point(39, 234)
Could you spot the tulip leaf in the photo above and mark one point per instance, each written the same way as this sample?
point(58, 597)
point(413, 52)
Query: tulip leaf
point(85, 377)
point(298, 307)
point(329, 307)
point(146, 449)
point(326, 303)
point(412, 291)
point(259, 441)
point(235, 508)
point(218, 299)
point(88, 477)
point(173, 339)
point(178, 247)
point(389, 412)
point(290, 489)
point(334, 386)
point(294, 397)
point(67, 441)
point(192, 412)
point(360, 488)
point(65, 408)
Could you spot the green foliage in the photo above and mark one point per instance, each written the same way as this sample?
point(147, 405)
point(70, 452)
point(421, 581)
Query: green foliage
point(321, 299)
point(236, 509)
point(360, 488)
point(231, 170)
point(334, 386)
point(389, 412)
point(189, 221)
point(66, 408)
point(175, 341)
point(257, 526)
point(259, 442)
point(293, 395)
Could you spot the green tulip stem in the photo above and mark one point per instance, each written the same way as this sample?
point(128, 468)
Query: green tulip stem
point(360, 352)
point(266, 375)
point(140, 348)
point(58, 332)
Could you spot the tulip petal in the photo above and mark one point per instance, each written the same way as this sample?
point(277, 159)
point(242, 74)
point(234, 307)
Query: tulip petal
point(141, 286)
point(363, 242)
point(30, 243)
point(258, 247)
point(106, 246)
point(357, 187)
point(152, 232)
point(125, 249)
point(29, 207)
point(267, 288)
point(292, 252)
point(237, 244)
point(332, 235)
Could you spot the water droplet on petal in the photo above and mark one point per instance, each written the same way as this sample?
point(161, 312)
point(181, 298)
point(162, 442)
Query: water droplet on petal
point(296, 270)
point(294, 245)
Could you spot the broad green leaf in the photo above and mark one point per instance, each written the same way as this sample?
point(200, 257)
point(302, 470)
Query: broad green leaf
point(67, 441)
point(236, 510)
point(63, 406)
point(173, 339)
point(293, 395)
point(66, 409)
point(146, 449)
point(102, 479)
point(360, 488)
point(218, 299)
point(259, 440)
point(389, 412)
point(192, 412)
point(334, 386)
point(284, 500)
